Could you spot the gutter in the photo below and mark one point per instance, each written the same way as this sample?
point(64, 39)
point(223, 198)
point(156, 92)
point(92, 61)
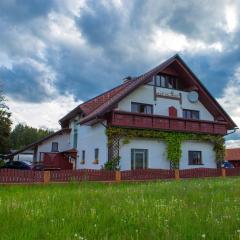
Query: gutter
point(234, 130)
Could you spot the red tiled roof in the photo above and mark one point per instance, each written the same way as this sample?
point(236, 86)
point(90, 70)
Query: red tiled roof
point(89, 106)
point(232, 154)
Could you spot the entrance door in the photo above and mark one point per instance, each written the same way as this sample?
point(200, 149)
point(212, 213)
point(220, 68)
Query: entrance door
point(139, 158)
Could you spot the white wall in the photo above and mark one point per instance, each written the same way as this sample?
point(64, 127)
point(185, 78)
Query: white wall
point(89, 138)
point(208, 154)
point(156, 153)
point(145, 94)
point(63, 144)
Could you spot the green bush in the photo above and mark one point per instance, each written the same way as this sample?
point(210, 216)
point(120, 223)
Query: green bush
point(1, 162)
point(112, 164)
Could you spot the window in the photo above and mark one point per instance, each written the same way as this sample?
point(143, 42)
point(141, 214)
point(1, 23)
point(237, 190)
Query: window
point(142, 108)
point(165, 81)
point(190, 114)
point(194, 157)
point(83, 155)
point(139, 158)
point(54, 146)
point(96, 153)
point(172, 82)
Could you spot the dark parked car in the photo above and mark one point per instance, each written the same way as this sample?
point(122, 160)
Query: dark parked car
point(17, 165)
point(227, 164)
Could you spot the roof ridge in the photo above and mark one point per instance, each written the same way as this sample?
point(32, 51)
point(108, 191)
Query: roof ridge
point(89, 100)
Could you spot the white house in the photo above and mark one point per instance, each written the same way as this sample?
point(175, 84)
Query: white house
point(166, 100)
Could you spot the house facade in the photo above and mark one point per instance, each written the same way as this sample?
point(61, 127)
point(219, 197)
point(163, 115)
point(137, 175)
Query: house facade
point(167, 99)
point(164, 119)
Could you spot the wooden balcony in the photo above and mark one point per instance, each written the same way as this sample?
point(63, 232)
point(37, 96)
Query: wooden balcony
point(139, 120)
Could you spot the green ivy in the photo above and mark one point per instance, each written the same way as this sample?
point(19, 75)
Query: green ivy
point(112, 164)
point(172, 139)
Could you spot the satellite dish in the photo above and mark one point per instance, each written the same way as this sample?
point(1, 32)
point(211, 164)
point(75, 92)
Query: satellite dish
point(193, 96)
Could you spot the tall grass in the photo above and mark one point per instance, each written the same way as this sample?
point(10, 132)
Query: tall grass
point(191, 209)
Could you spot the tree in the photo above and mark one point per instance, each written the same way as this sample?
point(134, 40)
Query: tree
point(22, 135)
point(5, 125)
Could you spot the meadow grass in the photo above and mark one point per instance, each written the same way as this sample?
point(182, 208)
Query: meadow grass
point(186, 209)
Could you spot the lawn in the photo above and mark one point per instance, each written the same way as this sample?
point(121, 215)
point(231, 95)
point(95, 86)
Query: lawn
point(186, 209)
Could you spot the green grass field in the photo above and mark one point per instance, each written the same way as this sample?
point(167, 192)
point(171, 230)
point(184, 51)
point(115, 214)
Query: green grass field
point(186, 209)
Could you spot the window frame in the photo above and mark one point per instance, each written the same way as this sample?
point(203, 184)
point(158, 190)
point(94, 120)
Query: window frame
point(56, 144)
point(96, 154)
point(191, 114)
point(83, 155)
point(145, 160)
point(143, 104)
point(191, 160)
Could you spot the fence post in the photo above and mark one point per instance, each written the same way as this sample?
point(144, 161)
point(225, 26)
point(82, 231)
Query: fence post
point(118, 176)
point(46, 177)
point(223, 172)
point(176, 172)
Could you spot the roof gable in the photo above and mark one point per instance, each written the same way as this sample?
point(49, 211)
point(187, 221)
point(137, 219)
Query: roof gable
point(206, 98)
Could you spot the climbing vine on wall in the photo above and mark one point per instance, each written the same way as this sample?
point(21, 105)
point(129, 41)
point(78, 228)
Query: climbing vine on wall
point(172, 139)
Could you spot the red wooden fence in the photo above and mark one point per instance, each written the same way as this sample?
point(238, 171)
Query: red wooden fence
point(233, 171)
point(20, 176)
point(81, 175)
point(200, 173)
point(28, 176)
point(147, 174)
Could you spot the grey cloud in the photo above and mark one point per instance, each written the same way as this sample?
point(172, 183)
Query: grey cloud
point(22, 82)
point(116, 43)
point(17, 11)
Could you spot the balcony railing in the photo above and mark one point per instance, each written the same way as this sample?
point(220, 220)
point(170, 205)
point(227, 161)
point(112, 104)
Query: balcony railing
point(139, 120)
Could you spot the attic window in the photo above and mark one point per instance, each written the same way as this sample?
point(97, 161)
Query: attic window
point(164, 81)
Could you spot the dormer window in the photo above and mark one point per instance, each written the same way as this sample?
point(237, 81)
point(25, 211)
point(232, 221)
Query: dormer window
point(142, 108)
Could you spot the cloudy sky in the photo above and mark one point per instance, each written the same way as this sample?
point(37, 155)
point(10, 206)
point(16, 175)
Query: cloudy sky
point(54, 54)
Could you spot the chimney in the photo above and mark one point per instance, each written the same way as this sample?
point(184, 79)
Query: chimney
point(128, 78)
